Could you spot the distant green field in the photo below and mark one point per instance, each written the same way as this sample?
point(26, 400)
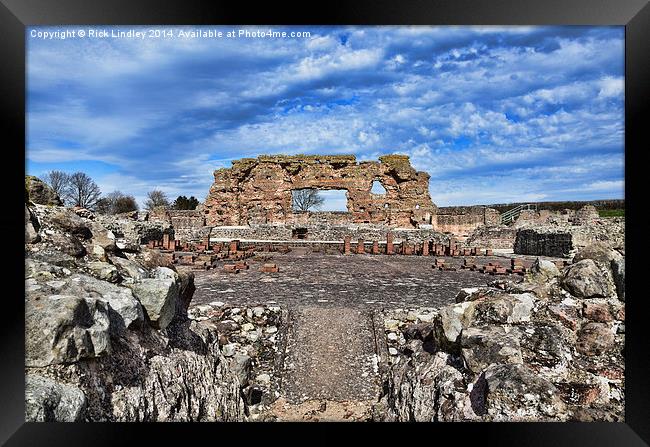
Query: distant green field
point(612, 213)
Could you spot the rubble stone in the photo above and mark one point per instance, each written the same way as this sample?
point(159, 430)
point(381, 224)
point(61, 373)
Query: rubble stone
point(49, 401)
point(585, 280)
point(39, 192)
point(64, 329)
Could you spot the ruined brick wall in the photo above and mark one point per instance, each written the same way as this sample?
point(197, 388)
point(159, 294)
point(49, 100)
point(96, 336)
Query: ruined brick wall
point(258, 190)
point(585, 215)
point(188, 225)
point(492, 236)
point(462, 220)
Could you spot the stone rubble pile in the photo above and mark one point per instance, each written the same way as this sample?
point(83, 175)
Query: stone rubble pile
point(251, 340)
point(546, 349)
point(107, 332)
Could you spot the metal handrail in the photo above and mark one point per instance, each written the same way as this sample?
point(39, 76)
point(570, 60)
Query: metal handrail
point(510, 215)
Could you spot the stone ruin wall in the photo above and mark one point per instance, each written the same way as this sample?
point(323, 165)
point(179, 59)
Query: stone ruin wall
point(188, 225)
point(462, 220)
point(551, 233)
point(259, 190)
point(338, 233)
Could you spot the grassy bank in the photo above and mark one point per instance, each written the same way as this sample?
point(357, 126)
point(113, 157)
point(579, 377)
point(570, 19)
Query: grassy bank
point(612, 213)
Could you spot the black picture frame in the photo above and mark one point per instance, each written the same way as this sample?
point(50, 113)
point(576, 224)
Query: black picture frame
point(16, 15)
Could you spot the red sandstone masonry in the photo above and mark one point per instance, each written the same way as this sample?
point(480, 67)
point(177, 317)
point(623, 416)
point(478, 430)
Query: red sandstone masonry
point(346, 245)
point(389, 244)
point(375, 247)
point(270, 268)
point(241, 265)
point(260, 190)
point(361, 247)
point(231, 268)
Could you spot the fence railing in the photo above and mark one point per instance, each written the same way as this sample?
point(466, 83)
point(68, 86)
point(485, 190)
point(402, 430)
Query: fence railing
point(512, 214)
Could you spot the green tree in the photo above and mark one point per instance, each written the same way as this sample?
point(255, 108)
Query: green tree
point(183, 203)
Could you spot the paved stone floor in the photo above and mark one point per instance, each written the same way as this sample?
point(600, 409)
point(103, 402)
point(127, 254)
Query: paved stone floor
point(336, 280)
point(330, 355)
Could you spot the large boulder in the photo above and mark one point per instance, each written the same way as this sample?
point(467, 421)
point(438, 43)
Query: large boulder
point(44, 270)
point(130, 270)
point(599, 252)
point(481, 347)
point(67, 244)
point(103, 238)
point(65, 329)
point(69, 222)
point(513, 392)
point(585, 279)
point(104, 271)
point(39, 192)
point(159, 296)
point(547, 345)
point(502, 308)
point(542, 271)
point(50, 401)
point(125, 309)
point(152, 258)
point(451, 321)
point(53, 256)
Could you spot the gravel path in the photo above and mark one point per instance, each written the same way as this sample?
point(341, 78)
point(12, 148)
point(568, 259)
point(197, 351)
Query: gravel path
point(330, 355)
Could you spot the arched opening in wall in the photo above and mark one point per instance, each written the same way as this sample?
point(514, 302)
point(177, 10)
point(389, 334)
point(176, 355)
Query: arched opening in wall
point(319, 200)
point(377, 188)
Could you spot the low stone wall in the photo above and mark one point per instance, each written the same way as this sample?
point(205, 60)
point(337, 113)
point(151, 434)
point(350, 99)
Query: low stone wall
point(324, 233)
point(186, 218)
point(462, 220)
point(540, 242)
point(188, 225)
point(493, 236)
point(320, 217)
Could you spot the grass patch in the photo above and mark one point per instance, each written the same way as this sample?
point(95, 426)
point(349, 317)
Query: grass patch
point(611, 213)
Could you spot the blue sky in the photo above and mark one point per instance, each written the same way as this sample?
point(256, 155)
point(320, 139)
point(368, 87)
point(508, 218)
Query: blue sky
point(493, 114)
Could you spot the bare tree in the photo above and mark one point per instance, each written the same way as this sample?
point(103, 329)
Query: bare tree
point(155, 199)
point(304, 199)
point(57, 180)
point(82, 191)
point(116, 203)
